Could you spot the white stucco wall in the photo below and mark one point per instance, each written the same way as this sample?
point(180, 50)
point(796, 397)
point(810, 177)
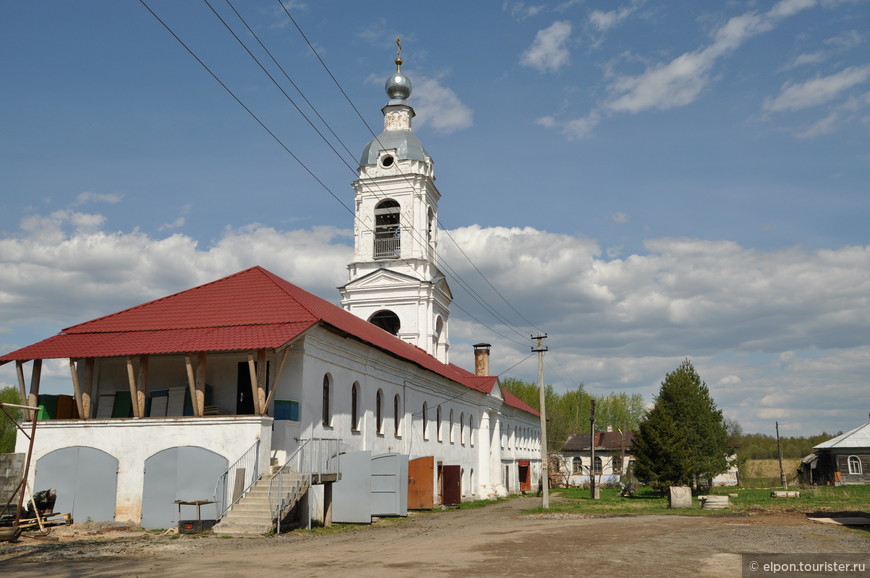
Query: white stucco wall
point(132, 441)
point(479, 450)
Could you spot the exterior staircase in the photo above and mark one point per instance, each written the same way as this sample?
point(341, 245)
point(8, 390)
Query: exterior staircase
point(252, 515)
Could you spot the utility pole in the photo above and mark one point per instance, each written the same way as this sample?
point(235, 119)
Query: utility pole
point(782, 478)
point(592, 487)
point(545, 458)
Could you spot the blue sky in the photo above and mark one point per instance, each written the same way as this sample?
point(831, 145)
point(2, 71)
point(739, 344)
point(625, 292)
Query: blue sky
point(644, 181)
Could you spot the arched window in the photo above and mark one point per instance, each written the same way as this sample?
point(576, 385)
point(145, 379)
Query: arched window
point(577, 466)
point(616, 464)
point(379, 411)
point(354, 407)
point(425, 421)
point(438, 423)
point(471, 433)
point(450, 431)
point(430, 231)
point(462, 428)
point(597, 465)
point(327, 411)
point(386, 320)
point(397, 402)
point(854, 465)
point(387, 232)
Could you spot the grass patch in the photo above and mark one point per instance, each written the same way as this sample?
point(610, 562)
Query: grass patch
point(742, 500)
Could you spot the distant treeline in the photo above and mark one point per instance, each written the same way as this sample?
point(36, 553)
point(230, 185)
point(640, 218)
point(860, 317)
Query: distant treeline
point(763, 447)
point(568, 413)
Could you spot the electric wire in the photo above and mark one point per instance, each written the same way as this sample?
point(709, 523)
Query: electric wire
point(458, 278)
point(244, 106)
point(448, 268)
point(359, 114)
point(214, 75)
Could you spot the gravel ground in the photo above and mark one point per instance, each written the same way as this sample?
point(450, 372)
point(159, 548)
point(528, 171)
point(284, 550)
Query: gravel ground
point(497, 540)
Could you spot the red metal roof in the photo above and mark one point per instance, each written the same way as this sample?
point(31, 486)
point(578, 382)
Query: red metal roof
point(251, 309)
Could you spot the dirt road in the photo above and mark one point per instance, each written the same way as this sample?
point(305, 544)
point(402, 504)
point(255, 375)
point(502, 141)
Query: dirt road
point(497, 540)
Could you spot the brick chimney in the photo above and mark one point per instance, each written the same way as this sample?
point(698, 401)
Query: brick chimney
point(481, 359)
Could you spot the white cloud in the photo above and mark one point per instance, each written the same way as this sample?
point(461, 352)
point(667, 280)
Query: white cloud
point(521, 10)
point(622, 323)
point(549, 52)
point(620, 217)
point(681, 80)
point(808, 58)
point(89, 197)
point(604, 21)
point(174, 224)
point(439, 107)
point(56, 269)
point(822, 126)
point(817, 91)
point(772, 332)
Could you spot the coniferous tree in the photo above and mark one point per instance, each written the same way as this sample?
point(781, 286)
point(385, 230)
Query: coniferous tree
point(683, 439)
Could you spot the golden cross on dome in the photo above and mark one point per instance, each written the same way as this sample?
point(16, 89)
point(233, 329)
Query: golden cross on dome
point(399, 55)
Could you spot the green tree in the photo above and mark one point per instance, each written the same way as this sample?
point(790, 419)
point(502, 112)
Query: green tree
point(683, 438)
point(568, 413)
point(8, 431)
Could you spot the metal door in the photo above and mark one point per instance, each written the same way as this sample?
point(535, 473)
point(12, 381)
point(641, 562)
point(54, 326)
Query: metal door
point(421, 483)
point(451, 490)
point(185, 473)
point(390, 485)
point(351, 496)
point(86, 480)
point(525, 476)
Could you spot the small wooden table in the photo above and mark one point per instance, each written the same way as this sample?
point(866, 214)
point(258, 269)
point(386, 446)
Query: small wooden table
point(198, 503)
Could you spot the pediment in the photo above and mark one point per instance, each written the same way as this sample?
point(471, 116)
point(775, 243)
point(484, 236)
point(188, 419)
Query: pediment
point(442, 286)
point(382, 278)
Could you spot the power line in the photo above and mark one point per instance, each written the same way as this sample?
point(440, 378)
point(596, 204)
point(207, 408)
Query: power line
point(244, 106)
point(414, 233)
point(458, 278)
point(447, 232)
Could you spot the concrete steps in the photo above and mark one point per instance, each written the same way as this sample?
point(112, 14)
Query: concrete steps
point(251, 516)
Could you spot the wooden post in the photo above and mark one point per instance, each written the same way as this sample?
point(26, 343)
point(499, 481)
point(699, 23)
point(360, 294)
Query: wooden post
point(142, 384)
point(782, 479)
point(262, 374)
point(199, 400)
point(284, 355)
point(131, 378)
point(22, 388)
point(252, 372)
point(77, 390)
point(89, 389)
point(35, 376)
point(191, 384)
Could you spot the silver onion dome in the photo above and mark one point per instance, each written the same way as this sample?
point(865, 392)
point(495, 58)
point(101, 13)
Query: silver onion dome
point(398, 87)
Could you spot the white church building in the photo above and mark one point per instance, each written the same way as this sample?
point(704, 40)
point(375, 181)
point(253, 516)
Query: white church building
point(250, 399)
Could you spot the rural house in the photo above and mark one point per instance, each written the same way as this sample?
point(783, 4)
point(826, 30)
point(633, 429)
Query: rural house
point(844, 459)
point(612, 457)
point(250, 384)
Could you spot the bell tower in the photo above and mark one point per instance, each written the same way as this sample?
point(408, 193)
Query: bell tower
point(394, 281)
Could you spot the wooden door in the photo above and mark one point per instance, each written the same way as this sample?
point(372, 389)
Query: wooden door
point(451, 490)
point(421, 483)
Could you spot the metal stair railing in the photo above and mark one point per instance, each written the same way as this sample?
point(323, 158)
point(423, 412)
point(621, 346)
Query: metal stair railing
point(235, 482)
point(313, 456)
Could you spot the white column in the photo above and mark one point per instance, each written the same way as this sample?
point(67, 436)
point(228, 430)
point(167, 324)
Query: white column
point(495, 454)
point(483, 448)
